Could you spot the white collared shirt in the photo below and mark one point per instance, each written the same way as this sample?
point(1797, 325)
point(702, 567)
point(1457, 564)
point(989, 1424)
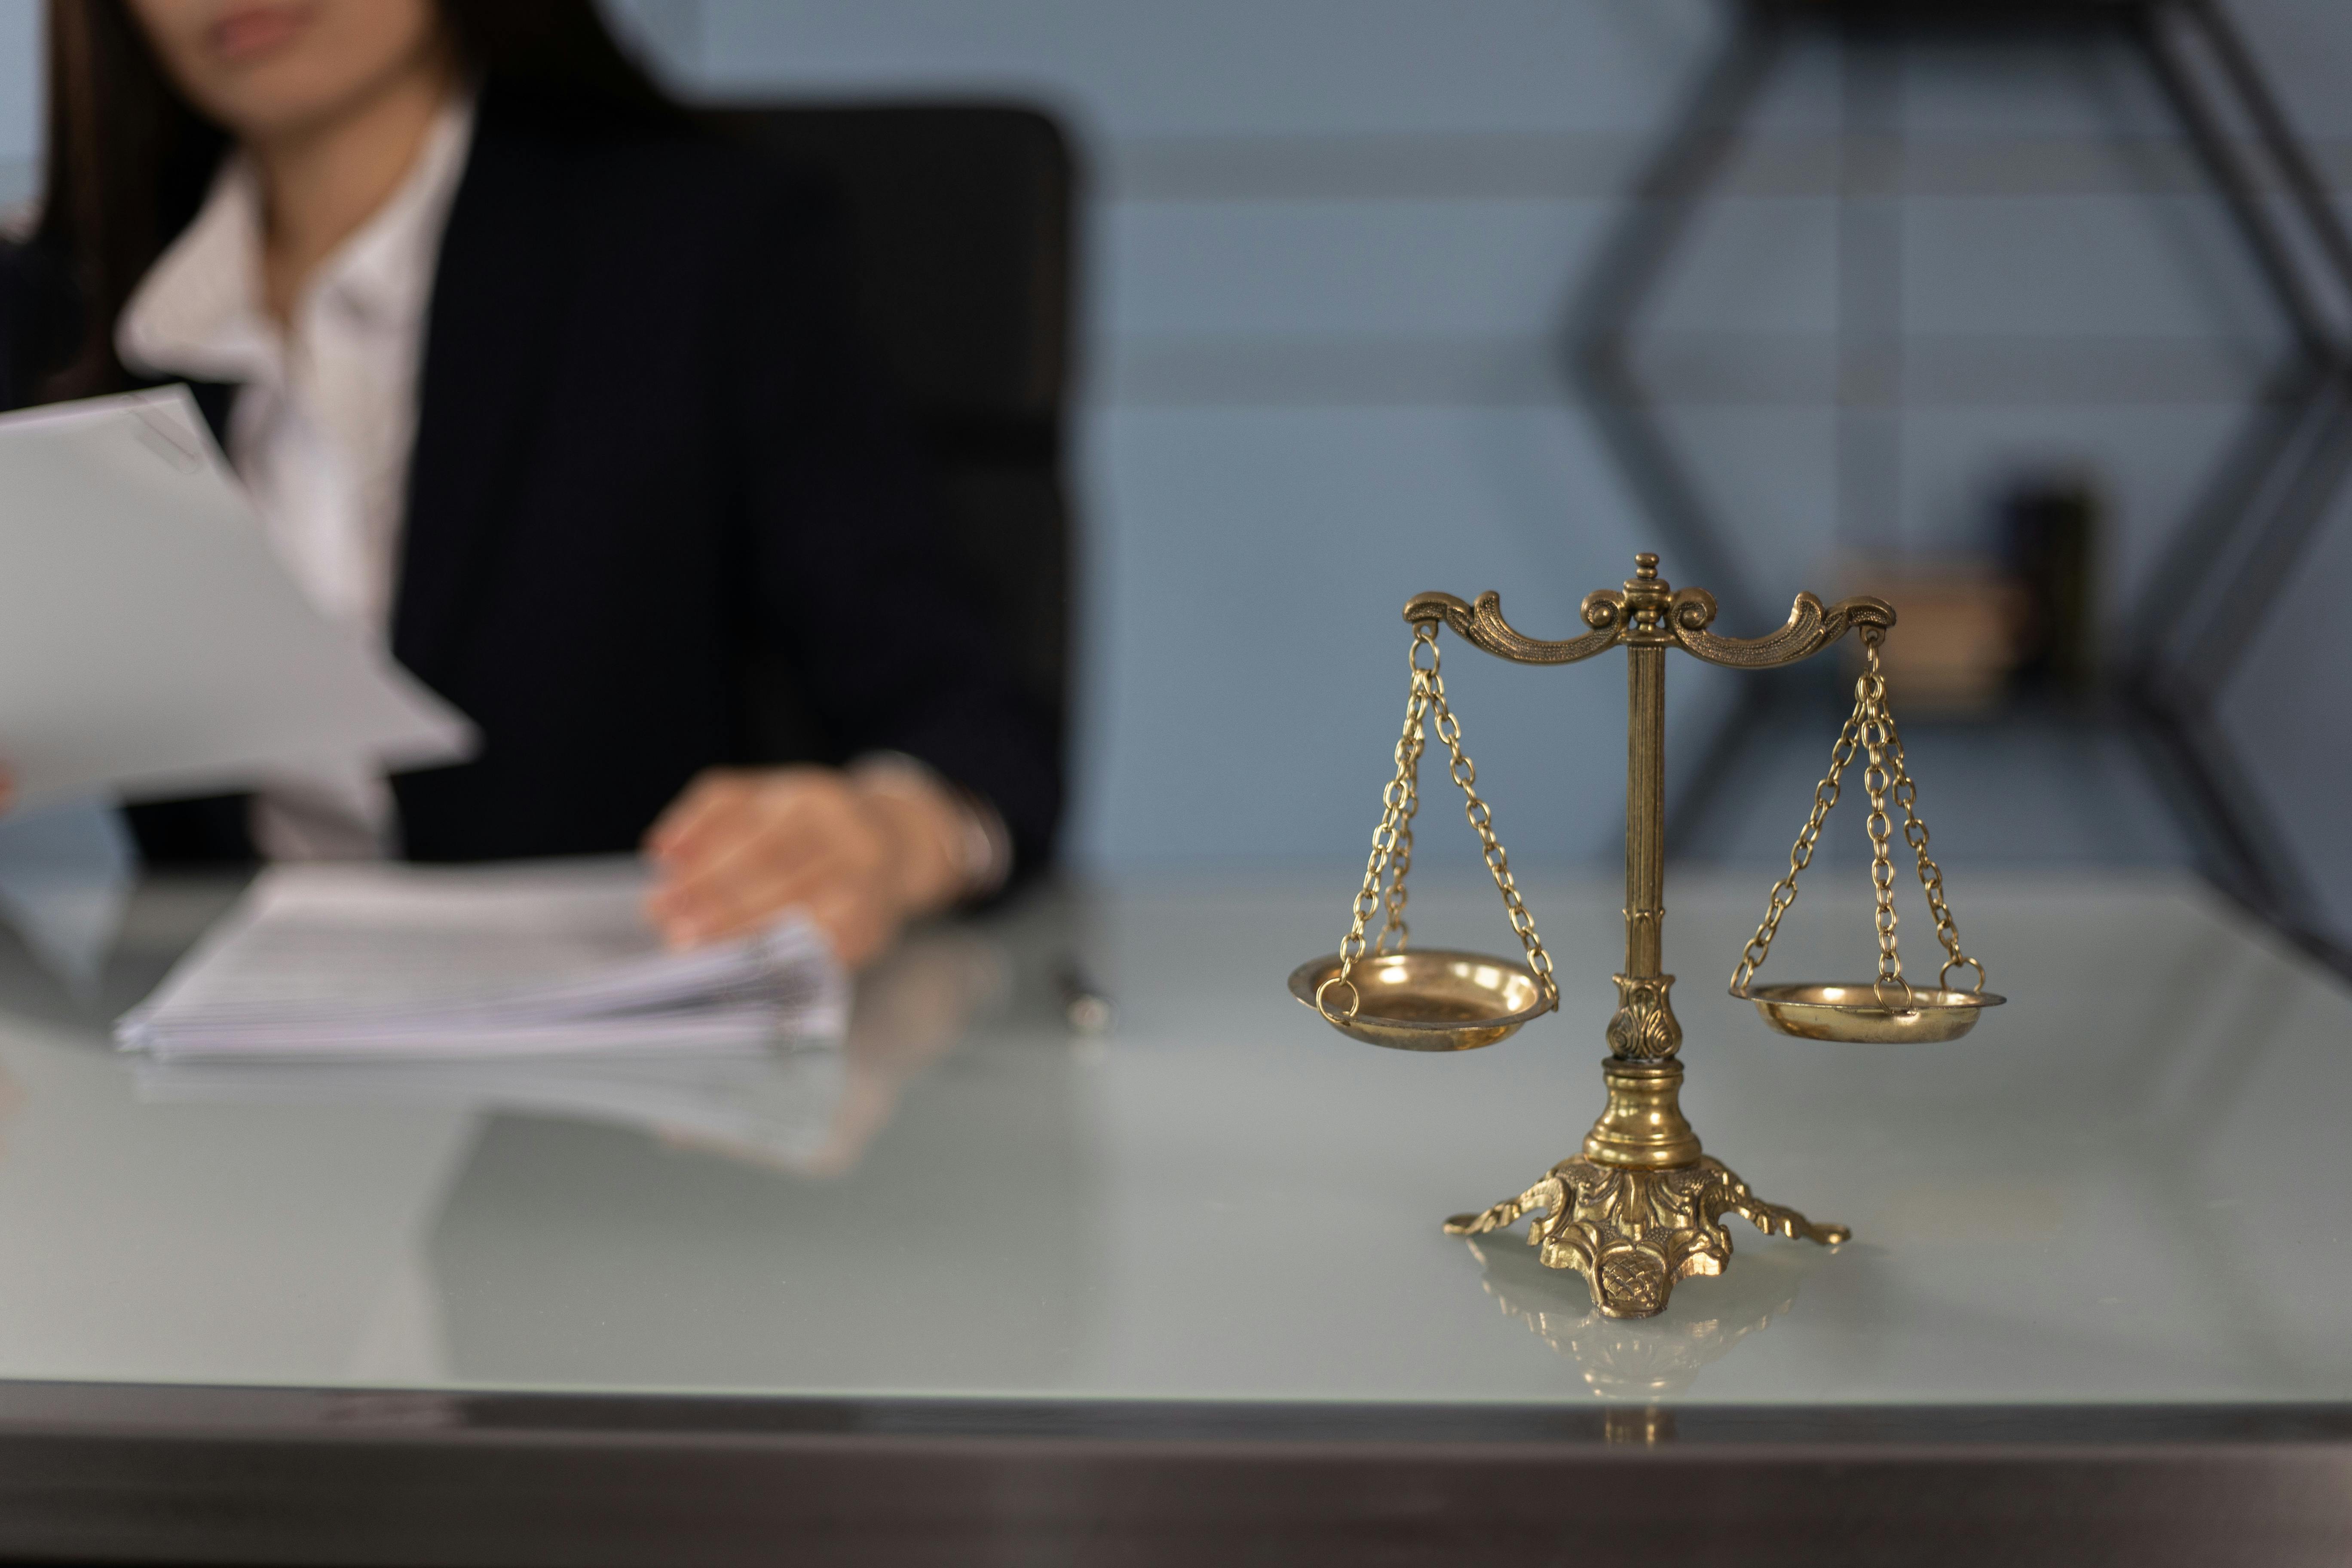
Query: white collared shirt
point(322, 429)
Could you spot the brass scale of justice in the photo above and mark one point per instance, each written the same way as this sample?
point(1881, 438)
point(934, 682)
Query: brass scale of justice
point(1641, 1207)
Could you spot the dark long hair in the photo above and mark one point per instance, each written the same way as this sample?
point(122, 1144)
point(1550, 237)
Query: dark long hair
point(130, 159)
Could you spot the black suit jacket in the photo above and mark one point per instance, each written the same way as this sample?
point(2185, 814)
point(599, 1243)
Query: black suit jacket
point(660, 516)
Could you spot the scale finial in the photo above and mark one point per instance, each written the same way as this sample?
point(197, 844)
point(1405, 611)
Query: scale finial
point(1645, 566)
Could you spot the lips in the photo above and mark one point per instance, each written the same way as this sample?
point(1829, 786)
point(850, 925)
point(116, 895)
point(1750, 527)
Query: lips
point(248, 33)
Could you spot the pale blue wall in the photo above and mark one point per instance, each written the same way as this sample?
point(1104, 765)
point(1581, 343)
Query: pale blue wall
point(20, 98)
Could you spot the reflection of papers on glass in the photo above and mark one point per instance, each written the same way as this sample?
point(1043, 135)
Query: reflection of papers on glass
point(777, 1106)
point(553, 958)
point(150, 641)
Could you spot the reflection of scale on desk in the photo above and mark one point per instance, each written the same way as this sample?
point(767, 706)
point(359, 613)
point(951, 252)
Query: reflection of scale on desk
point(1641, 1207)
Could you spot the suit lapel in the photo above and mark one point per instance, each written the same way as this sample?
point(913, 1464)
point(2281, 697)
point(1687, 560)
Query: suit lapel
point(509, 256)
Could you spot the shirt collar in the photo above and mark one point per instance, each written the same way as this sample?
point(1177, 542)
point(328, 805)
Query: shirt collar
point(385, 271)
point(198, 311)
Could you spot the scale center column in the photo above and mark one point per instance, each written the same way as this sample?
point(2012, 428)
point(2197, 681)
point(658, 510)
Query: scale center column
point(1644, 1126)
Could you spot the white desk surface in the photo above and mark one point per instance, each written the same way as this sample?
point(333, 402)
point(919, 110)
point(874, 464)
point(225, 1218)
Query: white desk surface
point(2127, 1186)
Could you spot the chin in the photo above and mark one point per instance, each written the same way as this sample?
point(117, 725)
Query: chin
point(274, 99)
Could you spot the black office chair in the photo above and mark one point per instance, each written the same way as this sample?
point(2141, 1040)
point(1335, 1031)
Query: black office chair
point(959, 219)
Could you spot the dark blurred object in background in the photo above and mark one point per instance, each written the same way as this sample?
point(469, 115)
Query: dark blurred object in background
point(1973, 631)
point(2050, 530)
point(1956, 639)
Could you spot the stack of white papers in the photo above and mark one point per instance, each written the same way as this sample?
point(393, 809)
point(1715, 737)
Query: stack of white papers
point(400, 961)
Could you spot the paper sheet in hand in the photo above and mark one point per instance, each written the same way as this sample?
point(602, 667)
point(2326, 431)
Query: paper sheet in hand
point(402, 960)
point(148, 639)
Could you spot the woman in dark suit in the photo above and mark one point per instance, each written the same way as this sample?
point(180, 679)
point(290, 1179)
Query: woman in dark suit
point(556, 394)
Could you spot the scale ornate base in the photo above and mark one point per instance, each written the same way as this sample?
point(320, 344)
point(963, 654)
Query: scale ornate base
point(1634, 1230)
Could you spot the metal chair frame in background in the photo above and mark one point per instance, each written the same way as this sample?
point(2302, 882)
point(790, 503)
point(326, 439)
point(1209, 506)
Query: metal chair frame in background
point(2190, 628)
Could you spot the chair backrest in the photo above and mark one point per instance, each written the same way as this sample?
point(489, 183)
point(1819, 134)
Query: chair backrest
point(961, 226)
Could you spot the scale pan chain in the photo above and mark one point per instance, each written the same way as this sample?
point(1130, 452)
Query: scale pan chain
point(1890, 1008)
point(1383, 890)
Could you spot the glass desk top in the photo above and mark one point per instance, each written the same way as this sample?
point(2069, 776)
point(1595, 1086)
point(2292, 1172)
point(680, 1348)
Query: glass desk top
point(2126, 1186)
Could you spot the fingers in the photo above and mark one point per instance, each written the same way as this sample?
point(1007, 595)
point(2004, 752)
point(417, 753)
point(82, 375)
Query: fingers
point(839, 895)
point(739, 849)
point(753, 841)
point(8, 789)
point(685, 831)
point(713, 793)
point(759, 835)
point(749, 895)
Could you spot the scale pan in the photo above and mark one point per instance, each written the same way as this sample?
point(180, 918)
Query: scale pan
point(1428, 999)
point(1835, 1012)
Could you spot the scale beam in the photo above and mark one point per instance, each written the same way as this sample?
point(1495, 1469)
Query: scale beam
point(1685, 614)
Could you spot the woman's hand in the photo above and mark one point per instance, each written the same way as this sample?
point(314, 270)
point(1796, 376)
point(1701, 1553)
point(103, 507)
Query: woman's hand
point(861, 855)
